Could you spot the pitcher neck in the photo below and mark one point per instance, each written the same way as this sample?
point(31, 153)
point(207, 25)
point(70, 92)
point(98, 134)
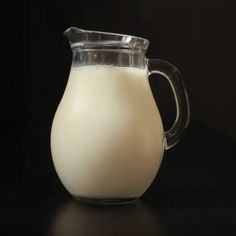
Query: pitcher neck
point(109, 57)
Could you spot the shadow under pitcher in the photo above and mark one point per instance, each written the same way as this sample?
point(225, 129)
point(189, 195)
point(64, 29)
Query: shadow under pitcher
point(107, 137)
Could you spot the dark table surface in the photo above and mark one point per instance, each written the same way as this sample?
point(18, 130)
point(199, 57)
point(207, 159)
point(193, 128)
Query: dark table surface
point(194, 193)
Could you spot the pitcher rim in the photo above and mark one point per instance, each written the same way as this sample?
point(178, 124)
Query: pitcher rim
point(143, 41)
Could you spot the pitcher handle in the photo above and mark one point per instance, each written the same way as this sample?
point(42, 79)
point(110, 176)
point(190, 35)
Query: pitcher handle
point(172, 74)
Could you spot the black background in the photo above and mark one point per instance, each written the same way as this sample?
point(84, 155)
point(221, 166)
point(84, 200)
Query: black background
point(196, 36)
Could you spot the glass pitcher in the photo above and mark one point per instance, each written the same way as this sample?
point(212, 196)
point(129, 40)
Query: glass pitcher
point(107, 137)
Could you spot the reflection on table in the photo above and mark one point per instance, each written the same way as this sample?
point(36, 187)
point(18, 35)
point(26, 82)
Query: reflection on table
point(78, 219)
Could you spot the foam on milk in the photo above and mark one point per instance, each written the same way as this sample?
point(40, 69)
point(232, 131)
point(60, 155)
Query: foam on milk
point(107, 134)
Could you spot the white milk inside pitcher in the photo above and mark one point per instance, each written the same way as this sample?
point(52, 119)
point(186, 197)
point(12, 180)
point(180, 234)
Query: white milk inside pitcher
point(107, 134)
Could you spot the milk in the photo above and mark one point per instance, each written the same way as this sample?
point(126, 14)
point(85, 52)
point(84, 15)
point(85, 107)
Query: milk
point(107, 134)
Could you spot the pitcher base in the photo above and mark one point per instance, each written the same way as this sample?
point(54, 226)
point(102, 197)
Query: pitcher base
point(105, 201)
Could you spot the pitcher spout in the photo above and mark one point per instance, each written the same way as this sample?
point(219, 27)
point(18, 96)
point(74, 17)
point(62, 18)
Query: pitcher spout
point(74, 35)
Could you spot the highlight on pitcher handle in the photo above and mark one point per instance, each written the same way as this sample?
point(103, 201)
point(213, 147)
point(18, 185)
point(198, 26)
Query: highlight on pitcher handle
point(172, 74)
